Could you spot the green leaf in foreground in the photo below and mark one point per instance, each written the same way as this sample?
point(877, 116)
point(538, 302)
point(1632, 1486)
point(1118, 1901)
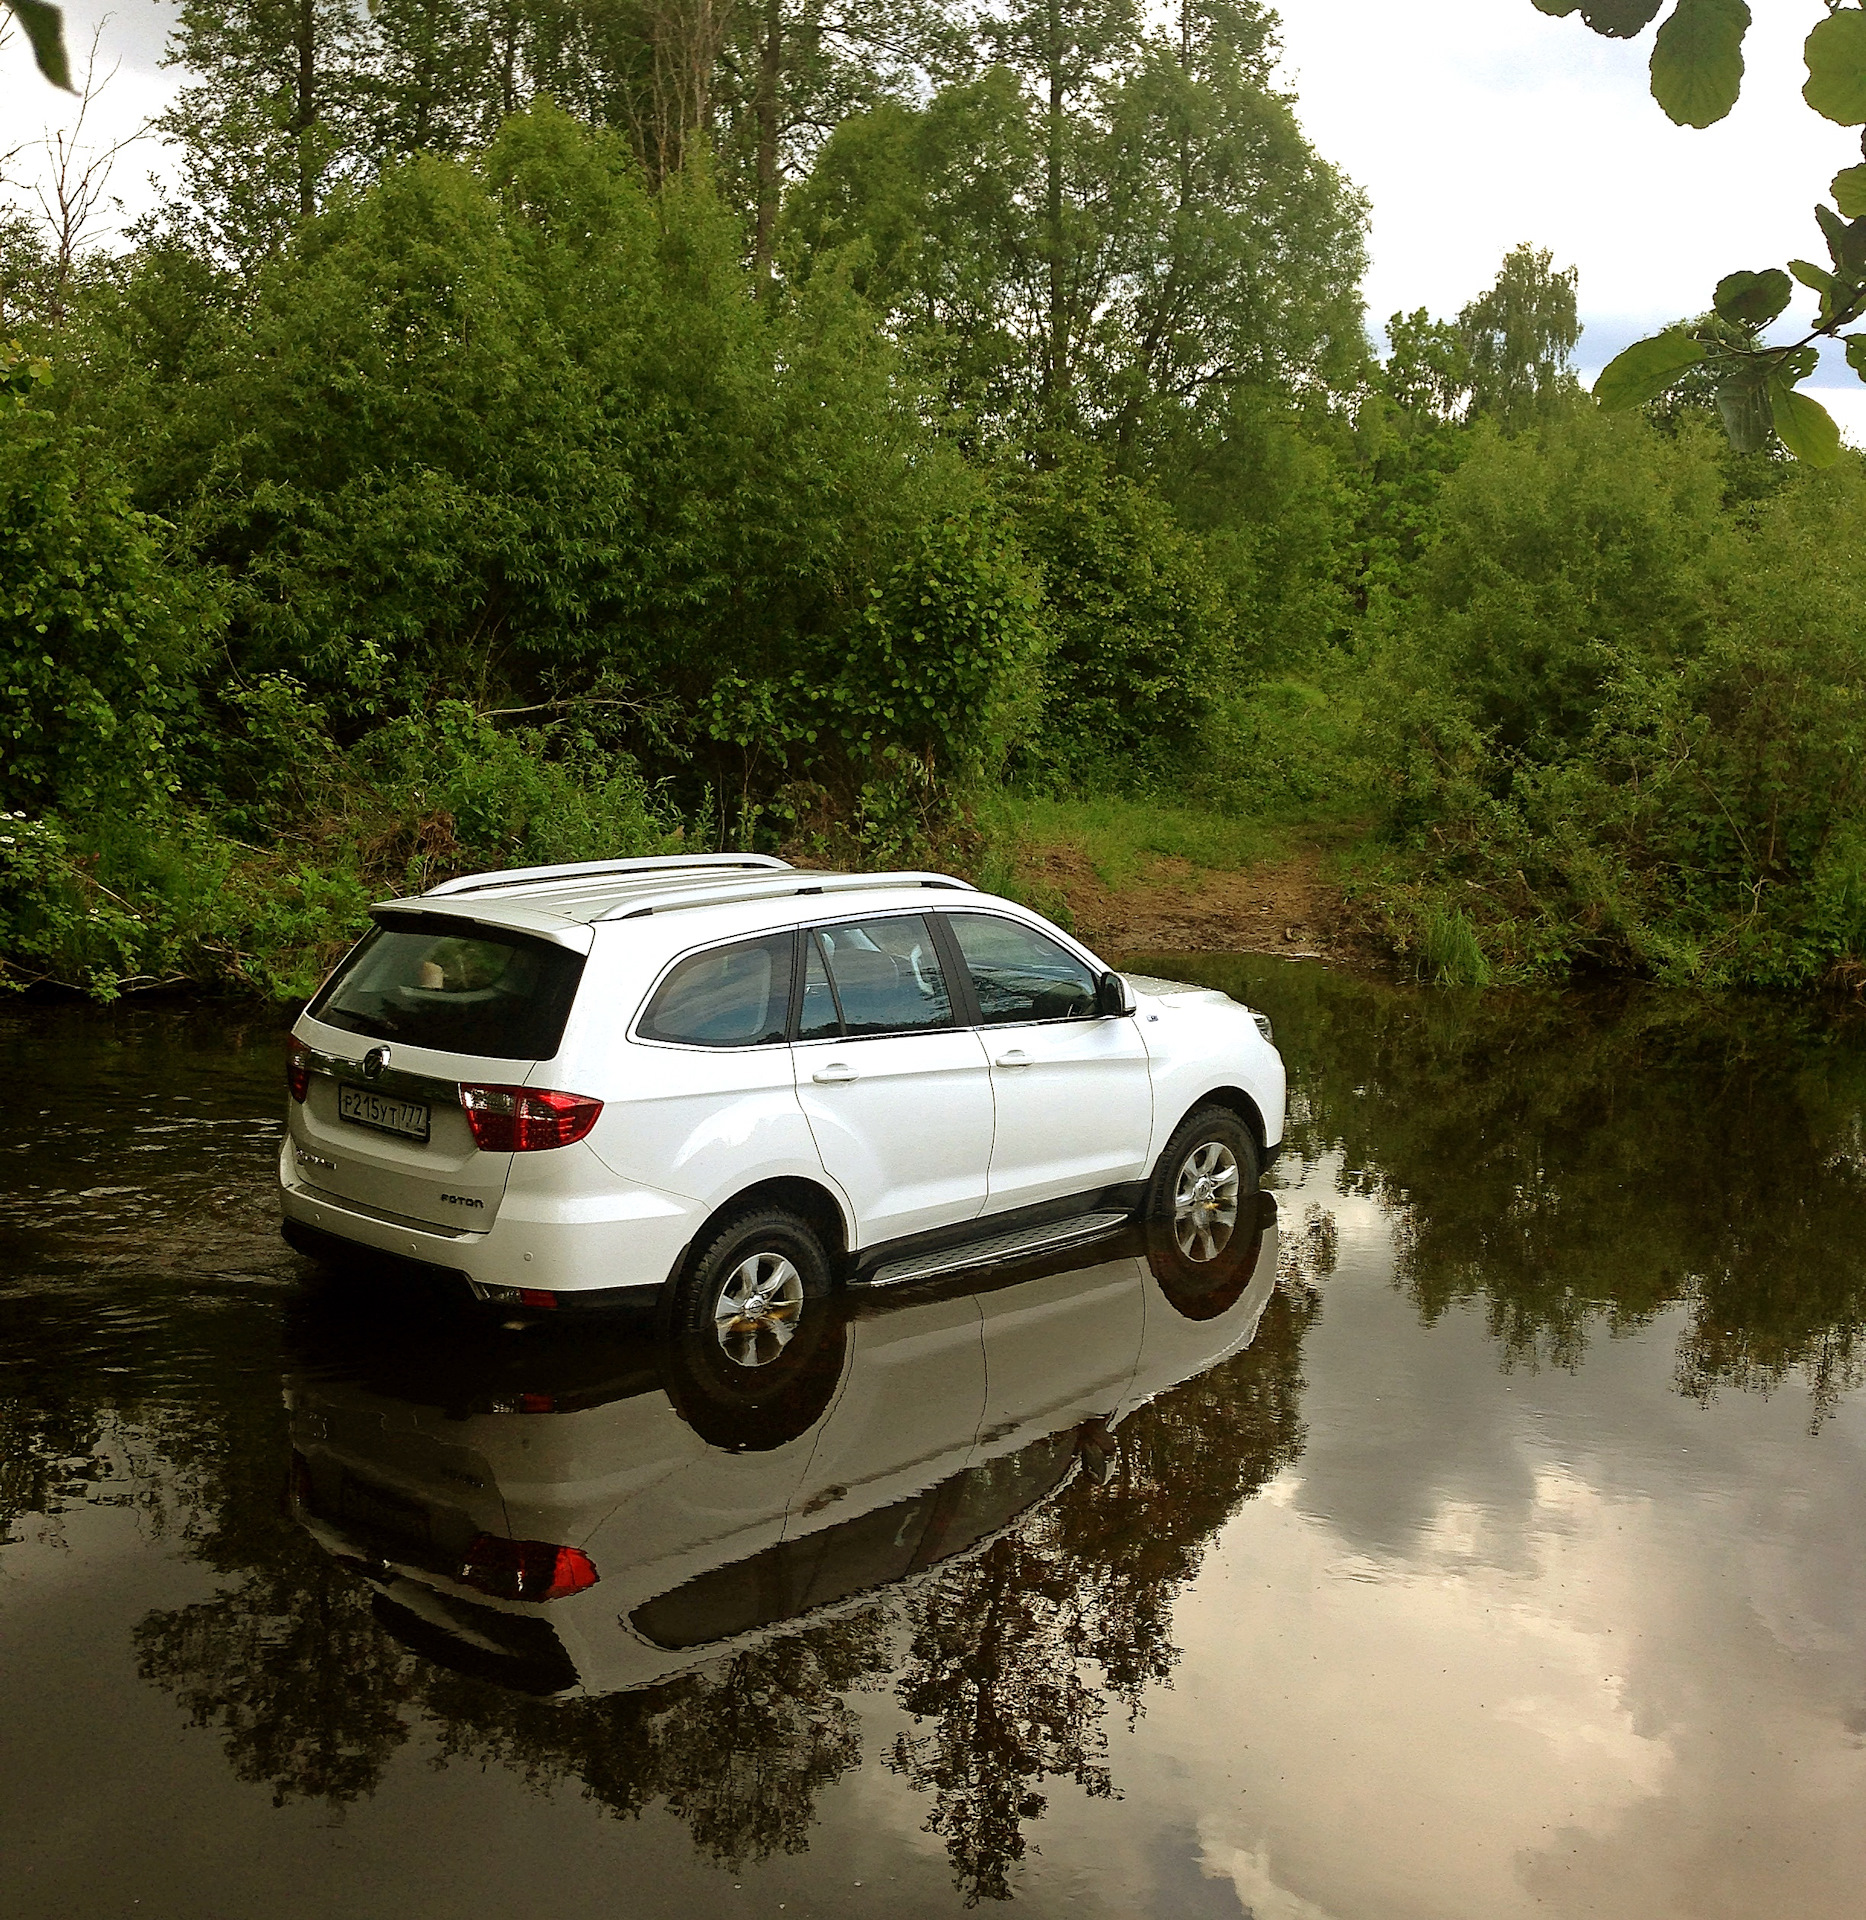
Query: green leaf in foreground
point(1849, 191)
point(1619, 19)
point(1817, 278)
point(45, 31)
point(1645, 369)
point(1856, 353)
point(1697, 60)
point(1836, 55)
point(1753, 299)
point(1559, 8)
point(1804, 426)
point(1846, 241)
point(1743, 407)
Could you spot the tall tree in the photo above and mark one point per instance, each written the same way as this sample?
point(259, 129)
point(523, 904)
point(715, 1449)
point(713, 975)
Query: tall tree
point(1519, 340)
point(1067, 53)
point(439, 74)
point(792, 71)
point(930, 213)
point(1237, 250)
point(1106, 233)
point(272, 119)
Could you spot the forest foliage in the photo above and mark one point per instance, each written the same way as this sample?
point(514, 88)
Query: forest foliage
point(545, 431)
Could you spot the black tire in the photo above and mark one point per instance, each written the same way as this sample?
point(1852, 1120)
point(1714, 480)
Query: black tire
point(1202, 1215)
point(755, 1380)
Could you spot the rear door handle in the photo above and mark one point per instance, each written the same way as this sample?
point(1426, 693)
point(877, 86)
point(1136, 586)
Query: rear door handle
point(837, 1070)
point(1016, 1058)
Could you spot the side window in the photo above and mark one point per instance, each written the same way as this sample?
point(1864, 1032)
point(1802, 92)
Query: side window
point(729, 997)
point(887, 976)
point(1021, 975)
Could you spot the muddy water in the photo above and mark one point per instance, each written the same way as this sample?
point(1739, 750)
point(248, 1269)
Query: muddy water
point(1494, 1544)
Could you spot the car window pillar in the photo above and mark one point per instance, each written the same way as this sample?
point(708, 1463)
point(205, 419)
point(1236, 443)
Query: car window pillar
point(959, 975)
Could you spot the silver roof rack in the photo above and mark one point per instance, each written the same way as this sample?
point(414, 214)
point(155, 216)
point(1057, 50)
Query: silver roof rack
point(799, 880)
point(606, 869)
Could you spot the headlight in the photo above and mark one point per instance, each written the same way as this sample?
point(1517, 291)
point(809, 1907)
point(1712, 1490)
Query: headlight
point(1263, 1025)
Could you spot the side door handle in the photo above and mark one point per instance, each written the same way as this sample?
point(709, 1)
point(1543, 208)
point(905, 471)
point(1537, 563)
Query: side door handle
point(1017, 1057)
point(835, 1072)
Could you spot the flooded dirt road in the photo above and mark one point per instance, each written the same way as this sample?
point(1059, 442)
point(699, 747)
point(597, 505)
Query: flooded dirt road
point(1491, 1542)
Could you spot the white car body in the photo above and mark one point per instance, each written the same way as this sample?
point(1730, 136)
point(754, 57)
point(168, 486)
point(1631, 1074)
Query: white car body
point(900, 1144)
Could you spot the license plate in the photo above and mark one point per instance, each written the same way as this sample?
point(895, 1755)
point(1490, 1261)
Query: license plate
point(363, 1108)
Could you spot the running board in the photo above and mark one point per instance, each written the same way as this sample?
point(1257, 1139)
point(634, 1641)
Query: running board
point(996, 1250)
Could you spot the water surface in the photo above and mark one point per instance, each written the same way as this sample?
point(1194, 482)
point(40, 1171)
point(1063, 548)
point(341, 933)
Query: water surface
point(1503, 1556)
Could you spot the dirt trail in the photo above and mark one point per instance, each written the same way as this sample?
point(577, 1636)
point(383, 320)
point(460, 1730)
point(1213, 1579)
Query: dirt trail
point(1290, 906)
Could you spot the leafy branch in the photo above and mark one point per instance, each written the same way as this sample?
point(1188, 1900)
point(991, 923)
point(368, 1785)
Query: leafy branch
point(1697, 75)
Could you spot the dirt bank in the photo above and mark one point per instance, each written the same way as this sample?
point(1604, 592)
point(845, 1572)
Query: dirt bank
point(1292, 906)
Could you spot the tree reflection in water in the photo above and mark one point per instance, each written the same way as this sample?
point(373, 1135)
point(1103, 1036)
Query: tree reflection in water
point(311, 1697)
point(738, 1752)
point(1567, 1164)
point(1007, 1661)
point(1578, 1162)
point(314, 1699)
point(1014, 1657)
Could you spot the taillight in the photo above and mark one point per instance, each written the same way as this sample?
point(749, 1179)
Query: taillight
point(515, 1296)
point(297, 1068)
point(525, 1569)
point(526, 1119)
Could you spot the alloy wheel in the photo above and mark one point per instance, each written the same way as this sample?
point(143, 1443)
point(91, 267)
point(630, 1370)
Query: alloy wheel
point(758, 1309)
point(1205, 1201)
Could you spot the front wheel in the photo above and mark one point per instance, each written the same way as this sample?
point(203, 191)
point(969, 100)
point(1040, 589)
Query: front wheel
point(1203, 1214)
point(1204, 1190)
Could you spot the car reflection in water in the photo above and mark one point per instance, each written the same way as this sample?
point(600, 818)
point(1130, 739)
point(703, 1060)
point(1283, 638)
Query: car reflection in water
point(589, 1515)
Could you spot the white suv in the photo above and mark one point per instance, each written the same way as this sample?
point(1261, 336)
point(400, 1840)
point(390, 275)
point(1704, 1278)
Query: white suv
point(731, 1084)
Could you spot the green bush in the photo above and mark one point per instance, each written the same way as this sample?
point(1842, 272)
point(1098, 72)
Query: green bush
point(1287, 749)
point(1623, 722)
point(112, 898)
point(97, 630)
point(1139, 644)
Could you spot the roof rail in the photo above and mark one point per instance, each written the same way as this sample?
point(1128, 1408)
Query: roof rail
point(773, 887)
point(603, 869)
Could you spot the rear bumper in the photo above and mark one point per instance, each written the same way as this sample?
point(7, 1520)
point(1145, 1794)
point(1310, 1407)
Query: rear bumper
point(625, 1245)
point(333, 1250)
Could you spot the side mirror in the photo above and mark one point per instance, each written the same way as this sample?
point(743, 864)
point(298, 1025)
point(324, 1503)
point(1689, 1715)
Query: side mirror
point(1113, 1001)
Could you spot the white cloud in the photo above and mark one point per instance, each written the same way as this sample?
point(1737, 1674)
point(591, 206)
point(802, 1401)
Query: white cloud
point(1477, 124)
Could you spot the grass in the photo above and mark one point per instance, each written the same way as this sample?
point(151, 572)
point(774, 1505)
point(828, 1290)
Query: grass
point(1122, 838)
point(1450, 951)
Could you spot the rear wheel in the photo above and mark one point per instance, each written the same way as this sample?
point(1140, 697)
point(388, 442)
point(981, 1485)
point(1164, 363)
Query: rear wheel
point(758, 1308)
point(755, 1347)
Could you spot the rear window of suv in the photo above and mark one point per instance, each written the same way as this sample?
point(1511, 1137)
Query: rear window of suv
point(454, 986)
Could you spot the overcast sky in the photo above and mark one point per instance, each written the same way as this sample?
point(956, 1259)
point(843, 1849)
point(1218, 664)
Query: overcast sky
point(1472, 124)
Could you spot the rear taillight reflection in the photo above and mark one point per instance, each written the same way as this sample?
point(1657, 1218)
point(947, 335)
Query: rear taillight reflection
point(297, 1068)
point(526, 1403)
point(526, 1119)
point(525, 1569)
